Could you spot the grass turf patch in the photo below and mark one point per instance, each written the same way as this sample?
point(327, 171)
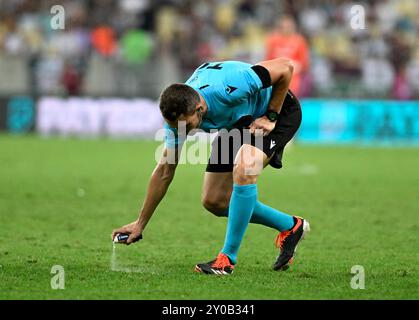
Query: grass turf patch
point(60, 200)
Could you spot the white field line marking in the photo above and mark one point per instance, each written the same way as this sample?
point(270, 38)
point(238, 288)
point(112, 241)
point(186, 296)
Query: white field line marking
point(308, 169)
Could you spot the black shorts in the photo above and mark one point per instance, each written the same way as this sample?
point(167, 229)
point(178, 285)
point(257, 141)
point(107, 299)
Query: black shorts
point(222, 158)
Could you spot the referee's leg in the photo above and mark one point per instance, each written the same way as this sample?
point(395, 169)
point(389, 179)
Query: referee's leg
point(216, 192)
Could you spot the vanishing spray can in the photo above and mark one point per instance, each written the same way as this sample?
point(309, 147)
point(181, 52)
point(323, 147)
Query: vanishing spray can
point(122, 238)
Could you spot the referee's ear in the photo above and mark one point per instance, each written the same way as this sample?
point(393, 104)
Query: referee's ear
point(200, 106)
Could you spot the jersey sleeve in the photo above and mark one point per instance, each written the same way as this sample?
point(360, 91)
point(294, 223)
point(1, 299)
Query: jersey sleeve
point(252, 80)
point(242, 82)
point(172, 138)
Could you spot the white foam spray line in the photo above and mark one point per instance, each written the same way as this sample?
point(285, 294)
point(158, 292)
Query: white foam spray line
point(113, 258)
point(117, 268)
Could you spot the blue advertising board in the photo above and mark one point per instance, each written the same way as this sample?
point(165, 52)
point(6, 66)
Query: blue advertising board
point(360, 121)
point(20, 114)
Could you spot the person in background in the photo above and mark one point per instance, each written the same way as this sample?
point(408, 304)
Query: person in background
point(285, 41)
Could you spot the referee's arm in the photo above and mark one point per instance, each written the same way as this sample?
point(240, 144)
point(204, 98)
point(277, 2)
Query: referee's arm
point(159, 182)
point(276, 73)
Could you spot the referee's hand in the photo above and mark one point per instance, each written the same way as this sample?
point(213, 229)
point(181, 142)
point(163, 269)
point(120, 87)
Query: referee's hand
point(133, 230)
point(262, 126)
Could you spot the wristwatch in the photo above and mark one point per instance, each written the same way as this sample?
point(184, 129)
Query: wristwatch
point(272, 115)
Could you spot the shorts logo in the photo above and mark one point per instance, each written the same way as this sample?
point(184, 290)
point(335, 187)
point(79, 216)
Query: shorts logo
point(273, 144)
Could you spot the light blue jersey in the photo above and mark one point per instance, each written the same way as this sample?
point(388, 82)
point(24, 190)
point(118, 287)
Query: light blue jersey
point(231, 90)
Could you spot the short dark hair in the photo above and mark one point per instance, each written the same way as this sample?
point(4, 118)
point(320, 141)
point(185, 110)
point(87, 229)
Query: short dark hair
point(178, 99)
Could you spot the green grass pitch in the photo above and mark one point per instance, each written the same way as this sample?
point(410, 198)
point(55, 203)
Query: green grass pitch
point(61, 198)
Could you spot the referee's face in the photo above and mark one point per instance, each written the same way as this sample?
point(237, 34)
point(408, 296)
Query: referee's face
point(191, 121)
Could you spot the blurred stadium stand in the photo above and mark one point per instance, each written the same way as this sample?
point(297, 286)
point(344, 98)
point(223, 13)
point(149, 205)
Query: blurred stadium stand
point(102, 74)
point(133, 48)
point(16, 76)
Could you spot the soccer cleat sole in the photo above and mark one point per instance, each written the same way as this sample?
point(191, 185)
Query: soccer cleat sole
point(214, 272)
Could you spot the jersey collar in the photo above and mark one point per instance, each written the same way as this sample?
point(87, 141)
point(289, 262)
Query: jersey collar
point(203, 95)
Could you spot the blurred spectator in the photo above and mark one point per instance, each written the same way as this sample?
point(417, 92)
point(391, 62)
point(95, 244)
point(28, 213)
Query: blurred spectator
point(377, 75)
point(286, 42)
point(103, 40)
point(136, 46)
point(71, 80)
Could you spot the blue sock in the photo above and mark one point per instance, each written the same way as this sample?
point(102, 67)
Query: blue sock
point(270, 217)
point(242, 203)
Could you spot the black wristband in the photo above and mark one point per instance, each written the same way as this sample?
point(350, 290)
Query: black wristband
point(272, 115)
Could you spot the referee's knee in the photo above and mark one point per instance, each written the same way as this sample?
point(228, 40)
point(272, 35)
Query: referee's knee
point(217, 207)
point(243, 174)
point(248, 165)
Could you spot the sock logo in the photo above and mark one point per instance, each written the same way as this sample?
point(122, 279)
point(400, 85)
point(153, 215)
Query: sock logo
point(273, 144)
